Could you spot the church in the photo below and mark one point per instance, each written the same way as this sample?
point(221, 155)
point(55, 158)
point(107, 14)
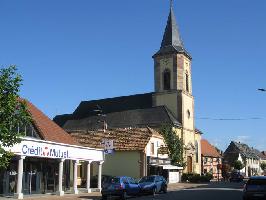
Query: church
point(171, 102)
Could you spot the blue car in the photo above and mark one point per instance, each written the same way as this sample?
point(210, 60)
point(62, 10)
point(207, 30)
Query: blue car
point(153, 184)
point(120, 186)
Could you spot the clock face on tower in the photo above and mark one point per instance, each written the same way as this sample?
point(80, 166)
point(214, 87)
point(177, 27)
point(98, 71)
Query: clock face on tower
point(165, 61)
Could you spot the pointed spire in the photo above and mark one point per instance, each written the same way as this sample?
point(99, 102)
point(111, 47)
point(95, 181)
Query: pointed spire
point(171, 34)
point(172, 42)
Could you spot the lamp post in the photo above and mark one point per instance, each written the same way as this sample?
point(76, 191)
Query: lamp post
point(262, 89)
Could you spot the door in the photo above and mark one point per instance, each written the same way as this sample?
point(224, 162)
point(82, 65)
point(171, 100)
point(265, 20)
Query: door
point(189, 164)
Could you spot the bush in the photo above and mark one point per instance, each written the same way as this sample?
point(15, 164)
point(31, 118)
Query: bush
point(209, 176)
point(186, 177)
point(196, 178)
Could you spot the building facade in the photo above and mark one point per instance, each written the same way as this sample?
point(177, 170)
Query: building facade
point(247, 155)
point(45, 160)
point(262, 156)
point(137, 152)
point(211, 160)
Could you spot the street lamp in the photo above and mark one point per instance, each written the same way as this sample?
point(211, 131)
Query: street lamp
point(262, 89)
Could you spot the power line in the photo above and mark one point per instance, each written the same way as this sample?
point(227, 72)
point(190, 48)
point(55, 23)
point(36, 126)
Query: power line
point(229, 119)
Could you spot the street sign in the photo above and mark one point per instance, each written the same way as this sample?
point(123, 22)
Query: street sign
point(162, 150)
point(108, 146)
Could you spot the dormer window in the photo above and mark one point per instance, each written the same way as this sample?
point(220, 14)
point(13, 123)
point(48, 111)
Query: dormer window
point(166, 79)
point(28, 131)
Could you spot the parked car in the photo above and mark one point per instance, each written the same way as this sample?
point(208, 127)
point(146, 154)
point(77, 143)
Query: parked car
point(94, 180)
point(153, 184)
point(255, 188)
point(120, 186)
point(236, 177)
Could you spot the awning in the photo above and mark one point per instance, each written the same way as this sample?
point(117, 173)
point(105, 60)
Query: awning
point(169, 167)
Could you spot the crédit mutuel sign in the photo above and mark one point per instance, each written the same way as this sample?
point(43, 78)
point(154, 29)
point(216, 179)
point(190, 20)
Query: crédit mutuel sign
point(42, 150)
point(32, 147)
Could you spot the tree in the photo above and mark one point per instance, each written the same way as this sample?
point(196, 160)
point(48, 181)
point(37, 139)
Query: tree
point(174, 144)
point(225, 171)
point(263, 166)
point(238, 165)
point(13, 112)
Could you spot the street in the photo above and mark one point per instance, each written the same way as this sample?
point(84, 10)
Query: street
point(227, 191)
point(180, 191)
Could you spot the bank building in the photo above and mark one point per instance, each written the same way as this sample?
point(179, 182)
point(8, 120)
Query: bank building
point(46, 160)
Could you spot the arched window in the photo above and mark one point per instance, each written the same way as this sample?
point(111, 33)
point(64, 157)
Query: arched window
point(187, 82)
point(197, 151)
point(166, 79)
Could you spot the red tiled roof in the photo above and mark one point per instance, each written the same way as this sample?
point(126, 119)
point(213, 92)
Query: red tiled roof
point(47, 129)
point(208, 150)
point(134, 139)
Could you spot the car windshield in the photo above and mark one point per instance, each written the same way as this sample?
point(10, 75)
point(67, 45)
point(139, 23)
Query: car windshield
point(147, 179)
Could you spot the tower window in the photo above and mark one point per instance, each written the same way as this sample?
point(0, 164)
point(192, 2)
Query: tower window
point(166, 79)
point(187, 82)
point(197, 151)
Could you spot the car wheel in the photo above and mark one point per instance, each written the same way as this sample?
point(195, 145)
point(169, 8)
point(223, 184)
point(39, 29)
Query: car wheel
point(124, 195)
point(154, 190)
point(165, 189)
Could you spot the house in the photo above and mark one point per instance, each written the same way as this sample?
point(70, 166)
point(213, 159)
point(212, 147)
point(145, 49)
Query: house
point(262, 156)
point(46, 159)
point(247, 155)
point(138, 152)
point(171, 102)
point(211, 160)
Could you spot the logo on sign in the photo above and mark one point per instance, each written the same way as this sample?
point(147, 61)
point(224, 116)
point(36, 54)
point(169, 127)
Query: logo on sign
point(44, 151)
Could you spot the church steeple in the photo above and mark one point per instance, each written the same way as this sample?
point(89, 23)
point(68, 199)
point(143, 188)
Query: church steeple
point(172, 42)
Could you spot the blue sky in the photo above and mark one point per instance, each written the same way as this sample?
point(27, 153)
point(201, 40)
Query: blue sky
point(68, 51)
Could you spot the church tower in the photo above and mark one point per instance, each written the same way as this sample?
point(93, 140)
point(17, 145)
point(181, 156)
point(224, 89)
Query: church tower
point(172, 75)
point(173, 89)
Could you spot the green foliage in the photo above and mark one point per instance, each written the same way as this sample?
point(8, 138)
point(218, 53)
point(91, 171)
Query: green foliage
point(175, 145)
point(186, 177)
point(13, 111)
point(196, 178)
point(238, 165)
point(263, 166)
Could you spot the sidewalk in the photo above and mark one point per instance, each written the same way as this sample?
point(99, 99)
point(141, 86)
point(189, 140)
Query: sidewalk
point(97, 195)
point(180, 186)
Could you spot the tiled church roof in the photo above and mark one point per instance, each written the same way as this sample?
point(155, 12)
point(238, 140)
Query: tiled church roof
point(108, 105)
point(155, 116)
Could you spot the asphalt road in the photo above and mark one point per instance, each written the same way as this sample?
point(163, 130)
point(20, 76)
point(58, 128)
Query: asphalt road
point(227, 191)
point(212, 191)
